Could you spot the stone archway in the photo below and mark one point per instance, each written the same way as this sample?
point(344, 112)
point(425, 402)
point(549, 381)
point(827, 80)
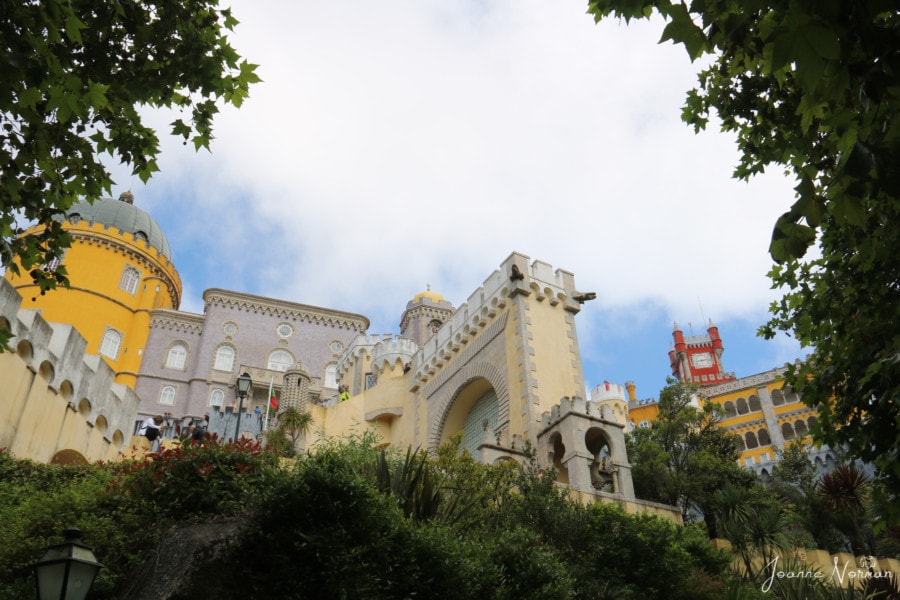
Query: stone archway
point(468, 385)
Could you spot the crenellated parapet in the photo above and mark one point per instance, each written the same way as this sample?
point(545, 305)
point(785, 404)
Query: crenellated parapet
point(391, 350)
point(608, 392)
point(514, 277)
point(577, 405)
point(73, 383)
point(359, 352)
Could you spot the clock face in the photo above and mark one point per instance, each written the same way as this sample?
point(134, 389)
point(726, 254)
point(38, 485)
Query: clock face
point(702, 361)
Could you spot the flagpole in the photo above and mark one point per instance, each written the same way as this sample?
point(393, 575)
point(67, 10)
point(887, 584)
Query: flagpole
point(269, 403)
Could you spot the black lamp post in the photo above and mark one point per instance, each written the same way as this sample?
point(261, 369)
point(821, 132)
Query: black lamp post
point(243, 386)
point(66, 570)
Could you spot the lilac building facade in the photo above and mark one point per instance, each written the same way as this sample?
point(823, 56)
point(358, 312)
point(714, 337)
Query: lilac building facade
point(192, 361)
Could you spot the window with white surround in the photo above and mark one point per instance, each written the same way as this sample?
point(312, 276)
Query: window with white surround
point(280, 360)
point(224, 358)
point(177, 356)
point(131, 277)
point(330, 376)
point(167, 395)
point(111, 343)
point(217, 398)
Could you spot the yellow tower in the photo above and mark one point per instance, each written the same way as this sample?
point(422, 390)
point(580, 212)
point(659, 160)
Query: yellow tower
point(120, 268)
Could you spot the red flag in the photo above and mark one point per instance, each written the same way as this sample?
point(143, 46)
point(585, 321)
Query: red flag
point(273, 401)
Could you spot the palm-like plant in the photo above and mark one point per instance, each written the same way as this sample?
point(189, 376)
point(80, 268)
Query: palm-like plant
point(755, 526)
point(845, 491)
point(413, 484)
point(292, 424)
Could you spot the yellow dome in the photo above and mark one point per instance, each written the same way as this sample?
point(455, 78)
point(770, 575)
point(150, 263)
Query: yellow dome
point(433, 296)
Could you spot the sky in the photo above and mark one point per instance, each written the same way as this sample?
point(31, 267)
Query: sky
point(402, 144)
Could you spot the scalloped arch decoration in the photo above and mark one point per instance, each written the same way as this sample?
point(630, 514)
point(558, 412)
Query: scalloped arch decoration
point(457, 383)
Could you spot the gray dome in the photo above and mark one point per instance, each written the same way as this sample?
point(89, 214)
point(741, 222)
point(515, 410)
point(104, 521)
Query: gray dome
point(122, 215)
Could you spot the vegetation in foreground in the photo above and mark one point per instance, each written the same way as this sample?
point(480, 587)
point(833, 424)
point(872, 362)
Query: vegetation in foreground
point(351, 520)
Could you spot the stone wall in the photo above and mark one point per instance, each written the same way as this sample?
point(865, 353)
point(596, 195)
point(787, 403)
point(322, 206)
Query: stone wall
point(58, 404)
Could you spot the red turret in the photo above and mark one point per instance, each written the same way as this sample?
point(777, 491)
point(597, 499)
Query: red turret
point(713, 332)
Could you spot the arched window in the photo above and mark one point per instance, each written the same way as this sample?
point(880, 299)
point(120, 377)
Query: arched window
point(754, 403)
point(787, 432)
point(280, 360)
point(131, 277)
point(790, 395)
point(742, 406)
point(217, 398)
point(800, 428)
point(777, 397)
point(330, 377)
point(764, 439)
point(112, 341)
point(812, 422)
point(750, 440)
point(167, 395)
point(224, 358)
point(177, 356)
point(729, 409)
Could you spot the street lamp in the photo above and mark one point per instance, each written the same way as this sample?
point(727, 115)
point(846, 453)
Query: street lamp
point(66, 570)
point(243, 386)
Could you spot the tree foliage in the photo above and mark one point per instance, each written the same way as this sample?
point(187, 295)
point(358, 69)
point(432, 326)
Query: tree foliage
point(75, 76)
point(684, 457)
point(812, 87)
point(335, 523)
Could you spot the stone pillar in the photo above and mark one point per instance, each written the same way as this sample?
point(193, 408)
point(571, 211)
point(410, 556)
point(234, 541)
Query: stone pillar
point(765, 402)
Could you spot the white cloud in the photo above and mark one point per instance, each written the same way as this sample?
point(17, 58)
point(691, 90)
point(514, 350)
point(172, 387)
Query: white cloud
point(400, 143)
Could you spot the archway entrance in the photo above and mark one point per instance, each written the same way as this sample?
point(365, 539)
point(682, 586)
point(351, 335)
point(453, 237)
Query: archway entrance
point(474, 411)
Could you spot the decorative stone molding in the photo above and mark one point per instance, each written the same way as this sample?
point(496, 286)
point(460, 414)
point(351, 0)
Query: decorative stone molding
point(177, 321)
point(285, 310)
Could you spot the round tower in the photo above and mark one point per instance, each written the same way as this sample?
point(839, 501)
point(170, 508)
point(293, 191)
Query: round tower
point(613, 396)
point(424, 315)
point(295, 389)
point(120, 268)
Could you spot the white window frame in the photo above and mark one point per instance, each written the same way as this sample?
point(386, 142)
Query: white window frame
point(167, 395)
point(173, 355)
point(277, 366)
point(330, 379)
point(217, 397)
point(219, 363)
point(130, 280)
point(111, 343)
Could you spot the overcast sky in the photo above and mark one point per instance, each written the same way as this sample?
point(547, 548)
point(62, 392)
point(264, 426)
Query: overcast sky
point(405, 143)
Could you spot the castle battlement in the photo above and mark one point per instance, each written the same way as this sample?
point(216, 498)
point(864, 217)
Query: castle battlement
point(608, 391)
point(388, 351)
point(55, 352)
point(486, 302)
point(577, 405)
point(361, 345)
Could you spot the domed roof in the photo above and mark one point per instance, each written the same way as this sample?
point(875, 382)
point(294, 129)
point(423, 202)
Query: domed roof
point(433, 296)
point(122, 215)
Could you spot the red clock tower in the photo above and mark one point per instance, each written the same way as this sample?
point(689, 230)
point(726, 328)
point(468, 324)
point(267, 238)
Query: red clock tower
point(698, 358)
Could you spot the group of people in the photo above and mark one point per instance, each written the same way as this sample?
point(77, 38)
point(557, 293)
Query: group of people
point(153, 427)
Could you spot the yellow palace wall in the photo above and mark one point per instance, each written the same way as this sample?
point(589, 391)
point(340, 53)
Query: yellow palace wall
point(95, 302)
point(57, 404)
